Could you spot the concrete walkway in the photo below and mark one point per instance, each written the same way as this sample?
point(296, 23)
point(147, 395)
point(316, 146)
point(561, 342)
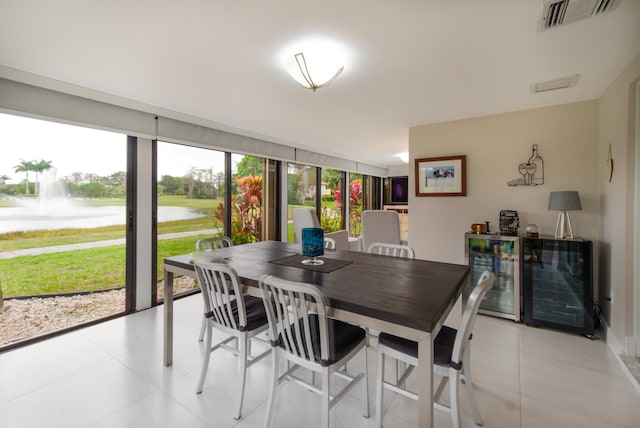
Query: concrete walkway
point(96, 244)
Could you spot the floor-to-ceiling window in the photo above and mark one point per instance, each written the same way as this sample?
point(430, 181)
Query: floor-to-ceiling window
point(355, 204)
point(341, 206)
point(247, 213)
point(301, 190)
point(190, 199)
point(332, 204)
point(203, 190)
point(62, 226)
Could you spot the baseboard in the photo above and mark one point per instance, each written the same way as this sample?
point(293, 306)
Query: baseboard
point(612, 341)
point(617, 349)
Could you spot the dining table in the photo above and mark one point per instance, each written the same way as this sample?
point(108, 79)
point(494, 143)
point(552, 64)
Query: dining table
point(410, 298)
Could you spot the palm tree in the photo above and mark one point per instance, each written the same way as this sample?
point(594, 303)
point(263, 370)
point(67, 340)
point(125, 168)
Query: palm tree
point(25, 166)
point(3, 179)
point(38, 168)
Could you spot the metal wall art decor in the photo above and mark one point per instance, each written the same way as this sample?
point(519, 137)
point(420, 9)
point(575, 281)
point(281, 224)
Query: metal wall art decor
point(609, 165)
point(532, 171)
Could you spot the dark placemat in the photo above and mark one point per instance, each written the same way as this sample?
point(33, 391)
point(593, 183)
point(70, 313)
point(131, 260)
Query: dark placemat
point(296, 261)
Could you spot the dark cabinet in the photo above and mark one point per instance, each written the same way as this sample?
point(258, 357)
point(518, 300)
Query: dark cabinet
point(557, 284)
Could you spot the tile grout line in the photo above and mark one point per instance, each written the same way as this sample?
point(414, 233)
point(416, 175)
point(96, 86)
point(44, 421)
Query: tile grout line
point(519, 349)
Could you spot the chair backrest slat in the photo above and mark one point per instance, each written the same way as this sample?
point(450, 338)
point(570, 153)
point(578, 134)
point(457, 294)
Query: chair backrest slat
point(394, 250)
point(290, 307)
point(213, 243)
point(223, 299)
point(329, 243)
point(221, 292)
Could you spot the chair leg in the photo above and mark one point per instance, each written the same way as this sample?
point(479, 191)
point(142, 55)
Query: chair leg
point(365, 385)
point(472, 401)
point(203, 327)
point(275, 366)
point(379, 389)
point(397, 366)
point(205, 359)
point(242, 365)
point(454, 381)
point(325, 398)
point(401, 367)
point(466, 378)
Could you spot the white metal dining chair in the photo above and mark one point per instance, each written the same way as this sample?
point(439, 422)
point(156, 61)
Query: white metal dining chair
point(451, 359)
point(380, 226)
point(242, 317)
point(303, 335)
point(329, 243)
point(214, 243)
point(211, 244)
point(394, 250)
point(341, 238)
point(303, 217)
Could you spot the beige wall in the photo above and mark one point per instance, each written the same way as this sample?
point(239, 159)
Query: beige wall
point(616, 126)
point(494, 145)
point(573, 139)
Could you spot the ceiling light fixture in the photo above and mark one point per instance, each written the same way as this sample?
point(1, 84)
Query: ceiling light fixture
point(301, 70)
point(404, 157)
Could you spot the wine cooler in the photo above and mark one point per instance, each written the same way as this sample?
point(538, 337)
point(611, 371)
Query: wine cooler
point(558, 284)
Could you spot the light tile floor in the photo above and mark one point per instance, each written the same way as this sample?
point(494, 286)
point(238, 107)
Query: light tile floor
point(111, 375)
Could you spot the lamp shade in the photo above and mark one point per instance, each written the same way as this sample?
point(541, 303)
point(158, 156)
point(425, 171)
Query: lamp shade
point(568, 200)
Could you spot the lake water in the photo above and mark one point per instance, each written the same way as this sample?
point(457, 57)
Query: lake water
point(15, 219)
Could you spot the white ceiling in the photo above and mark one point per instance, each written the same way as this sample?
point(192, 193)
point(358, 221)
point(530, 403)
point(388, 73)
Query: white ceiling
point(411, 62)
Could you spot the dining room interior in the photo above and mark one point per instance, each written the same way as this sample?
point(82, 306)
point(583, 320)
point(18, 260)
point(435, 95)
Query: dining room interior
point(428, 115)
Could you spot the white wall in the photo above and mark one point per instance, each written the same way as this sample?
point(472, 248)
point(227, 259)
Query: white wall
point(494, 146)
point(573, 140)
point(616, 126)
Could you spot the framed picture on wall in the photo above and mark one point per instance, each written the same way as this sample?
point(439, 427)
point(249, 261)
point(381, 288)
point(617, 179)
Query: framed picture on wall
point(443, 176)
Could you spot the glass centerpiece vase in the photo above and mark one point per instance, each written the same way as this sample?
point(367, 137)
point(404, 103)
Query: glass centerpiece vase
point(312, 245)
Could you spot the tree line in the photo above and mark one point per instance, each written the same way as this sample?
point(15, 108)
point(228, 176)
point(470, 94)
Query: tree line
point(197, 183)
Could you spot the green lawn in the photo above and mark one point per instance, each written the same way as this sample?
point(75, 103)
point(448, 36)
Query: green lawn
point(91, 269)
point(96, 268)
point(79, 270)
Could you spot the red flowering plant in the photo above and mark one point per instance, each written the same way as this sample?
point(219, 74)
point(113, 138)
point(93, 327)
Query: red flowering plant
point(355, 207)
point(246, 210)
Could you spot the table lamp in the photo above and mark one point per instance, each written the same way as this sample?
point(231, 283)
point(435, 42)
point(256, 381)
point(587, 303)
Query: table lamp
point(564, 201)
point(312, 245)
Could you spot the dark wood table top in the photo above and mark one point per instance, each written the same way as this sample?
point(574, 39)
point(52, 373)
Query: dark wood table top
point(412, 293)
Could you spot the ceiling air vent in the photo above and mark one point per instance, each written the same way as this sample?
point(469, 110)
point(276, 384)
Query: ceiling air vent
point(560, 12)
point(552, 85)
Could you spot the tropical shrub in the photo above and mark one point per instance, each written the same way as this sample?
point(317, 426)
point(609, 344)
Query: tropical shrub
point(246, 210)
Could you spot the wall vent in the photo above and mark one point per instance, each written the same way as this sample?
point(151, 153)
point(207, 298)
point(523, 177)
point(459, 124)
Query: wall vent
point(560, 12)
point(552, 85)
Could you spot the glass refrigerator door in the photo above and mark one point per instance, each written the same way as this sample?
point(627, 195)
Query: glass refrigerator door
point(558, 284)
point(501, 258)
